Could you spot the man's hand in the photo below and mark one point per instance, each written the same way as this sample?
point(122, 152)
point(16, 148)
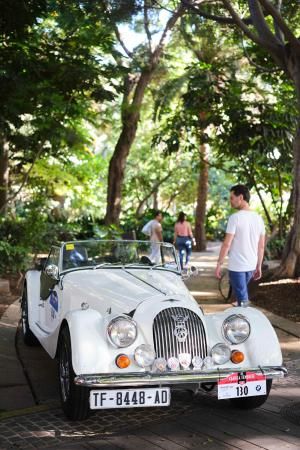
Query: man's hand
point(223, 253)
point(257, 273)
point(218, 273)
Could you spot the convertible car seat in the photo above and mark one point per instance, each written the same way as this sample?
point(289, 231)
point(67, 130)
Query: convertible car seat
point(77, 257)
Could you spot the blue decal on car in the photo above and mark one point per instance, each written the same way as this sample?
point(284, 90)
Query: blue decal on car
point(54, 300)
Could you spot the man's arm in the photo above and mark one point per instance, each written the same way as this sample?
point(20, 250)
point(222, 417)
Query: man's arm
point(260, 257)
point(158, 231)
point(223, 253)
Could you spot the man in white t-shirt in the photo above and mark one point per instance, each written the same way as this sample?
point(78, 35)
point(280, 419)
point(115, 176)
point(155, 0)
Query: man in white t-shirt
point(245, 242)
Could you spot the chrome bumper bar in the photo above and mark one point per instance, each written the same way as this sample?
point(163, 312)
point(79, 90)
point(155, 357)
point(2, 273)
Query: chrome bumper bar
point(171, 378)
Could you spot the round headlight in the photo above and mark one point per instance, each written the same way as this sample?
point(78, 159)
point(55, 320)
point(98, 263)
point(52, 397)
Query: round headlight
point(236, 329)
point(144, 355)
point(220, 353)
point(122, 331)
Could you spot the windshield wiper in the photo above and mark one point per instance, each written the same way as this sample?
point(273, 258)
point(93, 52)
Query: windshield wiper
point(163, 266)
point(137, 264)
point(104, 264)
point(156, 265)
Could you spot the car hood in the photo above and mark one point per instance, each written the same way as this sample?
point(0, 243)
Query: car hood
point(123, 289)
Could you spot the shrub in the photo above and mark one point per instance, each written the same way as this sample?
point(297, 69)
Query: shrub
point(13, 258)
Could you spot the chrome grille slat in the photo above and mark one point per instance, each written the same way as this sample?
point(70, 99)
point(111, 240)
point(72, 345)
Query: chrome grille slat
point(166, 343)
point(193, 335)
point(164, 336)
point(171, 346)
point(199, 340)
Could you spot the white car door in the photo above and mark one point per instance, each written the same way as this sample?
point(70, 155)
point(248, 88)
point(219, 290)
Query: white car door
point(50, 294)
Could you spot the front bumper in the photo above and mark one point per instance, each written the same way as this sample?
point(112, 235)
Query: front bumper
point(171, 378)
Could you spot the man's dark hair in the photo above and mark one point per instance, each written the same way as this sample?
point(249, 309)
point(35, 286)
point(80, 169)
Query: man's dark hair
point(157, 212)
point(241, 189)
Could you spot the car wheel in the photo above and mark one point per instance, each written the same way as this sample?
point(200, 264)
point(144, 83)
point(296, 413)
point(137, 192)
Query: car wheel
point(251, 402)
point(74, 399)
point(28, 336)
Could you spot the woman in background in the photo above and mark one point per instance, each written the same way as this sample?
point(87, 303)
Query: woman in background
point(183, 237)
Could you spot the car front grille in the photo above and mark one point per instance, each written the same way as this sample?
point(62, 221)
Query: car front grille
point(179, 330)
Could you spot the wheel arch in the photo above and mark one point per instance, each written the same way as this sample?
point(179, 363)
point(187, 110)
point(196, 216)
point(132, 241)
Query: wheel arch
point(88, 341)
point(63, 324)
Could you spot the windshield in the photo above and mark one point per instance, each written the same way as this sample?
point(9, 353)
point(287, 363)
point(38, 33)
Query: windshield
point(105, 254)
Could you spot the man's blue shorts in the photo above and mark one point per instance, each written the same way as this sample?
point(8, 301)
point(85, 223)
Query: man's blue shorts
point(239, 282)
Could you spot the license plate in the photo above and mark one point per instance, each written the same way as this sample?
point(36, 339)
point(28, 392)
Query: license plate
point(239, 385)
point(129, 398)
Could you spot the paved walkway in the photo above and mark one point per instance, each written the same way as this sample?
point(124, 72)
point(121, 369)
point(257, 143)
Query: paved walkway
point(31, 417)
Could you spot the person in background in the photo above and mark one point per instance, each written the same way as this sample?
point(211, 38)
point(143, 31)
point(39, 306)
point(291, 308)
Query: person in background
point(156, 235)
point(245, 242)
point(183, 237)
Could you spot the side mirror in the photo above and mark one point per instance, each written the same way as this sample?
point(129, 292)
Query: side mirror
point(52, 272)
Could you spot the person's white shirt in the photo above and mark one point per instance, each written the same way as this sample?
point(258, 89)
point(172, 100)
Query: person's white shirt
point(247, 228)
point(155, 255)
point(155, 226)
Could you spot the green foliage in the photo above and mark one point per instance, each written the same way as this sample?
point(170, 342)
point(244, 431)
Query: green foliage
point(13, 258)
point(275, 248)
point(32, 233)
point(51, 75)
point(61, 78)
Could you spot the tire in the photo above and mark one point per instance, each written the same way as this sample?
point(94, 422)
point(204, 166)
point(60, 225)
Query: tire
point(251, 402)
point(225, 286)
point(74, 399)
point(28, 336)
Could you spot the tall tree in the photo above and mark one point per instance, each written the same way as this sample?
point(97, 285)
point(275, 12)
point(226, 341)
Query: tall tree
point(143, 64)
point(192, 104)
point(50, 76)
point(272, 28)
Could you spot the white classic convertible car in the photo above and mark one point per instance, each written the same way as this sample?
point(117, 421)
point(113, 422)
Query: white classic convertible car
point(126, 331)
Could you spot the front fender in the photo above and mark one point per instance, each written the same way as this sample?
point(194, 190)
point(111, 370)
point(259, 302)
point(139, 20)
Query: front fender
point(91, 350)
point(262, 348)
point(87, 340)
point(32, 283)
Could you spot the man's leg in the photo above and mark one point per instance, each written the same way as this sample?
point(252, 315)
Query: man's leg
point(238, 282)
point(155, 256)
point(249, 276)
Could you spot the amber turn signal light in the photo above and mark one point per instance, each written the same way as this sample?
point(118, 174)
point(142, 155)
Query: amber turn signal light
point(122, 361)
point(237, 357)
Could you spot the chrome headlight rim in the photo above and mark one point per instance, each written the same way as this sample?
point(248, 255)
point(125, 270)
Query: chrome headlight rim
point(218, 346)
point(231, 318)
point(112, 323)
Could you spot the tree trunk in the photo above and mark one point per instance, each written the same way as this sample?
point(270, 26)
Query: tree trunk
point(117, 169)
point(130, 118)
point(200, 234)
point(290, 264)
point(116, 173)
point(155, 200)
point(4, 176)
